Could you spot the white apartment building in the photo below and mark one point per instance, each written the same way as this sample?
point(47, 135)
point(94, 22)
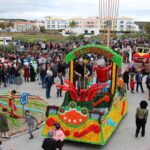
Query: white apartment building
point(89, 25)
point(126, 24)
point(52, 23)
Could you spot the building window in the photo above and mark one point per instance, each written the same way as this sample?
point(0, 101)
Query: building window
point(121, 22)
point(92, 32)
point(129, 22)
point(86, 32)
point(121, 26)
point(129, 27)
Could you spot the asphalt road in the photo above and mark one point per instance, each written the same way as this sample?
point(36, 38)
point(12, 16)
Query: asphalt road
point(122, 139)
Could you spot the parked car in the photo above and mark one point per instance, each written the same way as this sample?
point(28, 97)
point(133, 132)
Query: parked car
point(142, 54)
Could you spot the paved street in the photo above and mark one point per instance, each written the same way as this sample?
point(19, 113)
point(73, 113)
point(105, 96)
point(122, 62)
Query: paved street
point(122, 139)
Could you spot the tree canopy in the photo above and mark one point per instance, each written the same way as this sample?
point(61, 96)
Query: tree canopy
point(147, 29)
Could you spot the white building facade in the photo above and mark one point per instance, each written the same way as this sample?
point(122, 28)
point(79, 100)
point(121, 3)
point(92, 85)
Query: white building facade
point(52, 23)
point(126, 24)
point(88, 25)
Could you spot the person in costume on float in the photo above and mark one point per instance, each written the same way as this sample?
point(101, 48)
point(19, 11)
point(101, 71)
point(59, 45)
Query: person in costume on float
point(11, 104)
point(102, 70)
point(82, 73)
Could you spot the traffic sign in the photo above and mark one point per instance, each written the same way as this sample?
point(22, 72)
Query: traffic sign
point(24, 98)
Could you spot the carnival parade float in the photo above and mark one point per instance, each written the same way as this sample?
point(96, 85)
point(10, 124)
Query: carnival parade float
point(93, 113)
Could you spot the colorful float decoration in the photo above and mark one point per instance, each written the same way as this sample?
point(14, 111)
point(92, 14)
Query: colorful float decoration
point(90, 115)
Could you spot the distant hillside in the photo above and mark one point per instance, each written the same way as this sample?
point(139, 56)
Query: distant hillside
point(14, 20)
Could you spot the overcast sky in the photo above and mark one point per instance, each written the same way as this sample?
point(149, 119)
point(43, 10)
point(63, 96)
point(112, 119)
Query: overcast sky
point(37, 9)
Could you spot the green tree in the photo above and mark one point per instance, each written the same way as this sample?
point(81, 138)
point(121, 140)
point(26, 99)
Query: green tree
point(72, 24)
point(42, 29)
point(2, 25)
point(147, 29)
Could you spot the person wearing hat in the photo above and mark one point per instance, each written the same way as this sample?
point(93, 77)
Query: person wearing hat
point(49, 143)
point(59, 135)
point(141, 118)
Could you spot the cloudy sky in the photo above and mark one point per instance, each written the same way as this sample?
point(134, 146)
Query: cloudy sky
point(37, 9)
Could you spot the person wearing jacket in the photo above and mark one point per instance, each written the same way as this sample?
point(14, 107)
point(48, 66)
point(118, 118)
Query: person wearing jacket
point(42, 75)
point(58, 136)
point(49, 143)
point(141, 118)
point(126, 78)
point(48, 83)
point(59, 80)
point(138, 79)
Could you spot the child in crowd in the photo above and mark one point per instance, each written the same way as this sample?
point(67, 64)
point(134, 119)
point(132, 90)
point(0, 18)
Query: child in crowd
point(11, 103)
point(30, 122)
point(141, 118)
point(59, 136)
point(59, 80)
point(132, 84)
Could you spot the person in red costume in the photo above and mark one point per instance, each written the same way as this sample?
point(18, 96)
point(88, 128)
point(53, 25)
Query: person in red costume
point(11, 102)
point(102, 70)
point(26, 73)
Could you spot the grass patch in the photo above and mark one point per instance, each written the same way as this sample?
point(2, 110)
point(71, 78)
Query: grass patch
point(16, 125)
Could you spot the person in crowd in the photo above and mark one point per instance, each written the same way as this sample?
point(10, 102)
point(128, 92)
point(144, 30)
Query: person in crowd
point(143, 68)
point(138, 79)
point(59, 136)
point(141, 118)
point(32, 73)
point(132, 84)
point(132, 68)
point(42, 75)
point(18, 76)
point(11, 103)
point(30, 119)
point(49, 143)
point(4, 75)
point(59, 80)
point(62, 67)
point(126, 78)
point(26, 73)
point(148, 84)
point(12, 74)
point(4, 128)
point(48, 80)
point(82, 73)
point(121, 86)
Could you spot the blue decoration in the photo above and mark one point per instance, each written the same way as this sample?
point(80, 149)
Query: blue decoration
point(111, 123)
